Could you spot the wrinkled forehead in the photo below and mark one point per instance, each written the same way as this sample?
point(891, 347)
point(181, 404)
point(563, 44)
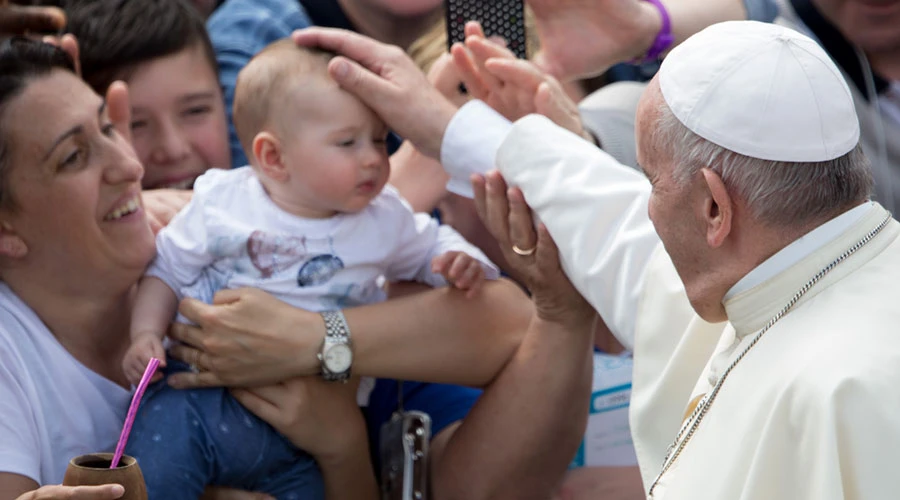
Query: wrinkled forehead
point(48, 106)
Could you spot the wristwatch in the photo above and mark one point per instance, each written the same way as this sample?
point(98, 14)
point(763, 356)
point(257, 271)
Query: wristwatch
point(336, 354)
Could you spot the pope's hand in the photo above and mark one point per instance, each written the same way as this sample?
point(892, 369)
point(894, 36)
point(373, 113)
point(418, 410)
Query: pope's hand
point(389, 82)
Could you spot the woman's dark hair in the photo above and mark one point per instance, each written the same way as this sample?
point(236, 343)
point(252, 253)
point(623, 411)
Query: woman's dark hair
point(21, 61)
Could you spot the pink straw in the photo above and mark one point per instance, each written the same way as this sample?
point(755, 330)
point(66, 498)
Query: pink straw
point(132, 411)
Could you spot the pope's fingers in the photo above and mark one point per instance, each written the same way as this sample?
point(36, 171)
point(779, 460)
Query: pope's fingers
point(368, 52)
point(469, 72)
point(197, 311)
point(479, 195)
point(517, 72)
point(547, 254)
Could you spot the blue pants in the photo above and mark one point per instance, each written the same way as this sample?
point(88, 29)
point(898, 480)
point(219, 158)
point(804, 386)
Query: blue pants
point(185, 440)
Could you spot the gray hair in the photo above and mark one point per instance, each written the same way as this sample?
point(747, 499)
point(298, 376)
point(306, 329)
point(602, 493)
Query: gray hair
point(777, 193)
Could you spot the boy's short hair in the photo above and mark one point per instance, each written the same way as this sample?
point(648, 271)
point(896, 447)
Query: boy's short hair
point(114, 36)
point(262, 86)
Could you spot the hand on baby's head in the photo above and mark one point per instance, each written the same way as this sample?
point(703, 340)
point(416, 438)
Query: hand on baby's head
point(461, 270)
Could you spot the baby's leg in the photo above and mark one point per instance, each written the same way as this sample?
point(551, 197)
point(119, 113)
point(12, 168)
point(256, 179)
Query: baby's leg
point(185, 440)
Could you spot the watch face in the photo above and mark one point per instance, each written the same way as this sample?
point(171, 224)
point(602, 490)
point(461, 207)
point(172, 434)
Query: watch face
point(338, 358)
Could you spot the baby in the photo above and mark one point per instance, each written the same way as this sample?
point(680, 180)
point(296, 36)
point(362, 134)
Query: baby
point(312, 222)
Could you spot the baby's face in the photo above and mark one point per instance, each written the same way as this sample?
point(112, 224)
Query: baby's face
point(334, 151)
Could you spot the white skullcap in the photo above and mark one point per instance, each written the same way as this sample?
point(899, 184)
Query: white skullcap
point(761, 90)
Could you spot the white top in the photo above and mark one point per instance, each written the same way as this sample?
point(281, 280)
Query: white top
point(232, 235)
point(52, 408)
point(810, 413)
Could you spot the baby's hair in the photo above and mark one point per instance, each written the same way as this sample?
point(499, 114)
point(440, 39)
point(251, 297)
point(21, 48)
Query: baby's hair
point(263, 86)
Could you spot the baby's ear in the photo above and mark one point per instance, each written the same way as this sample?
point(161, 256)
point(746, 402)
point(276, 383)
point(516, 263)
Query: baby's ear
point(267, 153)
point(12, 245)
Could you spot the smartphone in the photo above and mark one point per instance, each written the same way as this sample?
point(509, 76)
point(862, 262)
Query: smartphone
point(404, 456)
point(504, 18)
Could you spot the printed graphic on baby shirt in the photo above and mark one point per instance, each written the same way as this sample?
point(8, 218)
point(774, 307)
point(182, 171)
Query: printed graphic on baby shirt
point(274, 253)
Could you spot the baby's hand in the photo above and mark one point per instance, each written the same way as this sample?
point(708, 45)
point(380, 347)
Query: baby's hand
point(137, 358)
point(461, 270)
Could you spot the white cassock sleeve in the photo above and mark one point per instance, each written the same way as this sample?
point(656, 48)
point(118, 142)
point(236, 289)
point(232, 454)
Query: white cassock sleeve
point(595, 208)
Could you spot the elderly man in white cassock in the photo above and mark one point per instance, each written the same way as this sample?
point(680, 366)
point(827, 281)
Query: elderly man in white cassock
point(761, 295)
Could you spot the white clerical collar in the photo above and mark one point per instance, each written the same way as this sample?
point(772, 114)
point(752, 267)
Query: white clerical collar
point(799, 249)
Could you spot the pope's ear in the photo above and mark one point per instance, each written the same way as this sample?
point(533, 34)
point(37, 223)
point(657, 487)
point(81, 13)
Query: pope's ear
point(718, 209)
point(12, 246)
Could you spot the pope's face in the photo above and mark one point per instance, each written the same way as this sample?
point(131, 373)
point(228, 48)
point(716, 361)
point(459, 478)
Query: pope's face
point(873, 25)
point(672, 207)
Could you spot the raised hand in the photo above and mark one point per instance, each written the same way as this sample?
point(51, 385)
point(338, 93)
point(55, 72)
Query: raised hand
point(514, 87)
point(581, 38)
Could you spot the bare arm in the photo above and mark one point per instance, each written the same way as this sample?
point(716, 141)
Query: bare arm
point(23, 488)
point(154, 308)
point(247, 337)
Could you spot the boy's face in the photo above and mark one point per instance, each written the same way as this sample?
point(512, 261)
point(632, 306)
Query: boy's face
point(178, 119)
point(334, 152)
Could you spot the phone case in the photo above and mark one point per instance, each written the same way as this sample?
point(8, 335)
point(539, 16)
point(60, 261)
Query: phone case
point(505, 18)
point(404, 456)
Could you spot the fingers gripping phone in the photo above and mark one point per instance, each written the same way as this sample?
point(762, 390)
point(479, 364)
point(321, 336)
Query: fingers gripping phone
point(504, 18)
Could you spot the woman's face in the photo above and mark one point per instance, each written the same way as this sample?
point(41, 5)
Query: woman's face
point(178, 122)
point(76, 183)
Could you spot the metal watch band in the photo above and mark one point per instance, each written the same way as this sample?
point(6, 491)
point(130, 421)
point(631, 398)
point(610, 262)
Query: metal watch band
point(336, 332)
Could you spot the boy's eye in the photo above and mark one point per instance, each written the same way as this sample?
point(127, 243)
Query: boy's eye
point(197, 110)
point(138, 124)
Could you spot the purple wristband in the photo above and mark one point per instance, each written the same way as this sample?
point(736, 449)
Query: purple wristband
point(664, 38)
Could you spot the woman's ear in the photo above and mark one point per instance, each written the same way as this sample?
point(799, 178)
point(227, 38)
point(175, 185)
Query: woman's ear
point(12, 245)
point(267, 152)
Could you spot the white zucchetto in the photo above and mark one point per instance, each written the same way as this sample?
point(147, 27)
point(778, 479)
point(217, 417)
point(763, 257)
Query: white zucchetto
point(761, 90)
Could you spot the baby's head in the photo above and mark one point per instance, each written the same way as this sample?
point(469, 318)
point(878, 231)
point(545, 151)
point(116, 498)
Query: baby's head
point(317, 149)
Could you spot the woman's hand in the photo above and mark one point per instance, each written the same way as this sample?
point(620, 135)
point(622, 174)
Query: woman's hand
point(581, 38)
point(531, 254)
point(319, 417)
point(21, 20)
point(323, 419)
point(60, 492)
point(245, 337)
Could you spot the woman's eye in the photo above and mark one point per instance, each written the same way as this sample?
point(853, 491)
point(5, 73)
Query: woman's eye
point(347, 143)
point(138, 124)
point(72, 159)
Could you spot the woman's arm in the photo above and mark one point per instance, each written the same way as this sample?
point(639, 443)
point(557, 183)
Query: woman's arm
point(247, 337)
point(23, 488)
